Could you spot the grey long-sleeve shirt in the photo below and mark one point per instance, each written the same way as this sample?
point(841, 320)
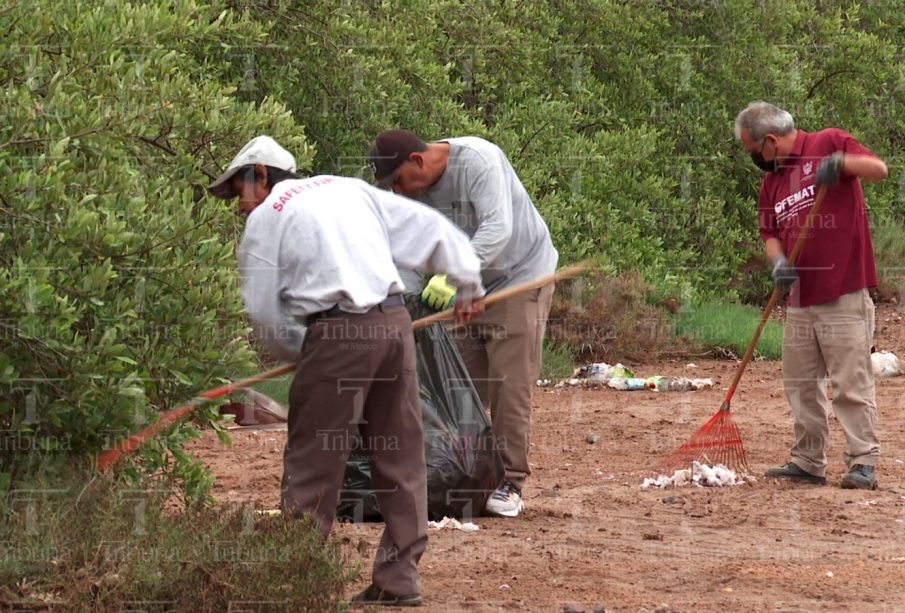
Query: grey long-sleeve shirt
point(480, 193)
point(334, 241)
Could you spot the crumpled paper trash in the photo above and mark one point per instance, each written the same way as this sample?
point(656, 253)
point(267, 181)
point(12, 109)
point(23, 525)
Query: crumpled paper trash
point(701, 475)
point(453, 524)
point(886, 364)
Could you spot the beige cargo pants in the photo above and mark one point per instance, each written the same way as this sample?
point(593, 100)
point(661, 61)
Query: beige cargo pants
point(831, 340)
point(502, 352)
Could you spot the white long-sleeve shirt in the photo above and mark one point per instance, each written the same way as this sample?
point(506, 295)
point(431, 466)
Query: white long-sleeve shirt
point(333, 241)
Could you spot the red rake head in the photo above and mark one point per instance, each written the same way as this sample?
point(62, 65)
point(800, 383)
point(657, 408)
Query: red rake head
point(717, 442)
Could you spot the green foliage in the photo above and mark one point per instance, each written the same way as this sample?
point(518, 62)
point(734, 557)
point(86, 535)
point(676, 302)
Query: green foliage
point(104, 546)
point(730, 327)
point(617, 115)
point(889, 250)
point(117, 286)
point(556, 362)
point(278, 388)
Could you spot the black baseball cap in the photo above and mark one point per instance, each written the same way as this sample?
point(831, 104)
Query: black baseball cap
point(389, 150)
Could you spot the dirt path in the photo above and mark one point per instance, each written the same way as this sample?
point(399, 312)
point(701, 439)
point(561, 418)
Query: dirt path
point(590, 537)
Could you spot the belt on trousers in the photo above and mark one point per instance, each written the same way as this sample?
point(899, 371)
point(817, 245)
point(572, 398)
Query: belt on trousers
point(393, 300)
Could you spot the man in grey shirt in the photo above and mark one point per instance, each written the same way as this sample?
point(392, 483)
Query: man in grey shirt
point(471, 181)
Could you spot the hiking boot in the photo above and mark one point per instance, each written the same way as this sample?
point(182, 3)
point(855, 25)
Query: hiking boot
point(860, 477)
point(374, 595)
point(506, 501)
point(793, 471)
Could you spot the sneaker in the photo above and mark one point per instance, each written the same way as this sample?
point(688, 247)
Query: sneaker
point(860, 477)
point(374, 595)
point(793, 471)
point(506, 501)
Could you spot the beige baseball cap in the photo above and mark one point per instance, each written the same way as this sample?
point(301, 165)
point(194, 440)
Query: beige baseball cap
point(259, 150)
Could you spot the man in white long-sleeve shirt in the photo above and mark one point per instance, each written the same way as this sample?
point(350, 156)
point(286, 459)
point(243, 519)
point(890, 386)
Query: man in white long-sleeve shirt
point(471, 181)
point(319, 261)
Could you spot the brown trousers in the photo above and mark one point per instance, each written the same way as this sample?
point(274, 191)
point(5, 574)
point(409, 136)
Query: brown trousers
point(502, 351)
point(831, 339)
point(357, 373)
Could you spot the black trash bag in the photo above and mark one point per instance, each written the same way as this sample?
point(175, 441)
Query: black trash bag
point(463, 463)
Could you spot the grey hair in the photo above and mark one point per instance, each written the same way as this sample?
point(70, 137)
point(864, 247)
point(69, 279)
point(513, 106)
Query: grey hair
point(762, 118)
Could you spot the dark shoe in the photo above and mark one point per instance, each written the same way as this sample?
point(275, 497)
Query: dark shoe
point(860, 477)
point(792, 471)
point(374, 595)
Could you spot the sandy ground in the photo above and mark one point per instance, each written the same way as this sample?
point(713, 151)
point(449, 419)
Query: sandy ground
point(590, 538)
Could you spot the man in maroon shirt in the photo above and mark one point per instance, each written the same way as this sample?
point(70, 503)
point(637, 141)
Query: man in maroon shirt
point(830, 315)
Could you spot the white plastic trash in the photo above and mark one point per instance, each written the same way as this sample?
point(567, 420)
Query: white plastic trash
point(886, 364)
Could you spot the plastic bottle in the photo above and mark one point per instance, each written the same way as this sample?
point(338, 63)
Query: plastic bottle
point(633, 383)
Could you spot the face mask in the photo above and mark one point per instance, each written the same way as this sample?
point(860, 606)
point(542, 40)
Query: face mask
point(760, 162)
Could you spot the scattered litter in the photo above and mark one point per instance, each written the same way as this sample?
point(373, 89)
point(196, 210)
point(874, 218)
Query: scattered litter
point(701, 475)
point(602, 372)
point(269, 512)
point(691, 365)
point(619, 377)
point(898, 461)
point(453, 524)
point(592, 438)
point(886, 364)
point(867, 503)
point(829, 573)
point(505, 586)
point(627, 383)
point(543, 382)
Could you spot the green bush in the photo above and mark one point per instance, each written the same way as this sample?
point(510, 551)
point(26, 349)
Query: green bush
point(117, 278)
point(616, 115)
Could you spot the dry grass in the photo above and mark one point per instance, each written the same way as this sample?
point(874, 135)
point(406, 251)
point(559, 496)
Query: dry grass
point(614, 319)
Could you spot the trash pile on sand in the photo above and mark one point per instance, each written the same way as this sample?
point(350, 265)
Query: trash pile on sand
point(886, 364)
point(619, 377)
point(701, 475)
point(453, 524)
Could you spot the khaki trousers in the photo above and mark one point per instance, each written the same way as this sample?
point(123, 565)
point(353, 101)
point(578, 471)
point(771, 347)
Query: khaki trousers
point(357, 373)
point(502, 352)
point(832, 340)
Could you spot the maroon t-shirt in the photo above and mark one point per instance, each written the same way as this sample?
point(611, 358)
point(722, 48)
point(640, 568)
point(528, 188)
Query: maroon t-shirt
point(837, 257)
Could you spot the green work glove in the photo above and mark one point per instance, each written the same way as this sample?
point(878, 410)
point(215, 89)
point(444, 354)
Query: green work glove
point(438, 294)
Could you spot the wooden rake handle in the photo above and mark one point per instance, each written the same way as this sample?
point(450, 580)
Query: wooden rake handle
point(563, 273)
point(109, 457)
point(774, 298)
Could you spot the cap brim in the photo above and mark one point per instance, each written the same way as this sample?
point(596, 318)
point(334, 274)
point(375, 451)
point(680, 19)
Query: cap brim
point(223, 186)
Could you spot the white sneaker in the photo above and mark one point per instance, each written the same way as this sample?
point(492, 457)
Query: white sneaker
point(506, 501)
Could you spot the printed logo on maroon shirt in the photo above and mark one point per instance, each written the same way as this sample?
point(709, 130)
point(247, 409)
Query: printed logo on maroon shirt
point(837, 257)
